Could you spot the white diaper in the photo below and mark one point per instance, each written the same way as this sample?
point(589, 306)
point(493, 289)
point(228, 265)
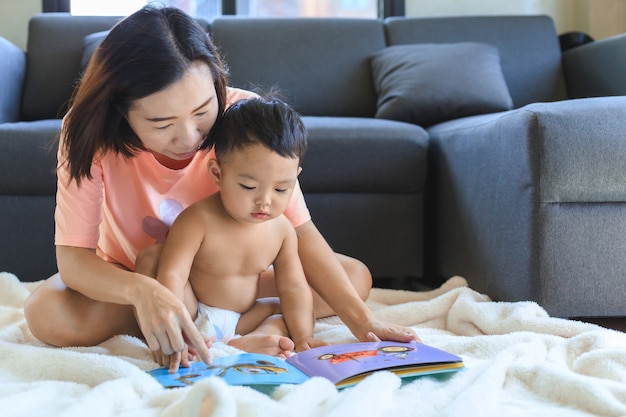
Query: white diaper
point(216, 323)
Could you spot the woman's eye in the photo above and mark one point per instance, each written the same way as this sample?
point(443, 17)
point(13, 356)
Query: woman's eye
point(202, 113)
point(162, 127)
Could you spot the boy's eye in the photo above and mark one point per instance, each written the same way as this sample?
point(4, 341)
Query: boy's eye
point(281, 190)
point(245, 187)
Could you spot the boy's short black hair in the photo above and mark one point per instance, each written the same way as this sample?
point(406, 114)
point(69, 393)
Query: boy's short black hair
point(268, 121)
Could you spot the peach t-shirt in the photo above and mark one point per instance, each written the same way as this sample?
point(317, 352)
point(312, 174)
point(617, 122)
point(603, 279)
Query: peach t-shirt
point(131, 203)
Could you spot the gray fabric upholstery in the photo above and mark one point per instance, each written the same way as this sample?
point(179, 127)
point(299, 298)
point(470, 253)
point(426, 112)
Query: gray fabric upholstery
point(27, 188)
point(55, 42)
point(363, 155)
point(12, 69)
point(28, 157)
point(529, 48)
point(322, 69)
point(596, 69)
point(428, 84)
point(529, 204)
point(90, 44)
point(27, 244)
point(369, 201)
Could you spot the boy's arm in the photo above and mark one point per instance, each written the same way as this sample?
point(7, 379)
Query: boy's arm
point(296, 299)
point(180, 248)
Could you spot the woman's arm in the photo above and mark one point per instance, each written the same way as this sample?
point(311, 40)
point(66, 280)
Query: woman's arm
point(330, 280)
point(160, 314)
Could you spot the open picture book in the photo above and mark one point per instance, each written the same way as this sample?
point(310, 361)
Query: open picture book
point(343, 364)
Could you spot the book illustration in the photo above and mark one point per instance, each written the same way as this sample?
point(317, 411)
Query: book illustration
point(398, 352)
point(241, 369)
point(346, 364)
point(343, 365)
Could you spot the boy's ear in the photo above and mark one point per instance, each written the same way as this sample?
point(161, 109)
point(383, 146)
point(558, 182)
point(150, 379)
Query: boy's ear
point(299, 170)
point(215, 171)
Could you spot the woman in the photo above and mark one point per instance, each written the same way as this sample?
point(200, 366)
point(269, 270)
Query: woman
point(132, 154)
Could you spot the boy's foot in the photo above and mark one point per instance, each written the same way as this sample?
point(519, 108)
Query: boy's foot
point(269, 344)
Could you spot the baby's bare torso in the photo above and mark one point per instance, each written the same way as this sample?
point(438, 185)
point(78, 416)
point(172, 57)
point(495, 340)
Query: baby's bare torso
point(226, 269)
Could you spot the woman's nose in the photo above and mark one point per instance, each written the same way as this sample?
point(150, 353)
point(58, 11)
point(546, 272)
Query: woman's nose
point(190, 135)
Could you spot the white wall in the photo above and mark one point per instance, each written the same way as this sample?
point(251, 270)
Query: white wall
point(14, 16)
point(599, 18)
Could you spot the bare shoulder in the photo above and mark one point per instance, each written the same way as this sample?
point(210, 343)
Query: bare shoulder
point(202, 210)
point(283, 226)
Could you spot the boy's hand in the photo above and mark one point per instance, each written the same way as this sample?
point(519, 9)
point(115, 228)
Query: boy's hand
point(309, 342)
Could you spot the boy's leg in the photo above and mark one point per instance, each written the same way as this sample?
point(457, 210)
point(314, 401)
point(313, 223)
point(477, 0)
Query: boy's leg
point(260, 311)
point(263, 330)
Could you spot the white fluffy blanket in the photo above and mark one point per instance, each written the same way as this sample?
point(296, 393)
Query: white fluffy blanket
point(519, 361)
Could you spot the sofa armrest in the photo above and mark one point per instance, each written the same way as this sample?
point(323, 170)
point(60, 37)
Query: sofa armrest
point(596, 69)
point(12, 70)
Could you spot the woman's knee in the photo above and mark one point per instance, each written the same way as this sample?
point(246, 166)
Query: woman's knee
point(359, 275)
point(61, 317)
point(41, 322)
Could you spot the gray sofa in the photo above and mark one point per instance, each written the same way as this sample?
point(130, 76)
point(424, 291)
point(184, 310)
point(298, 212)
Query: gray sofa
point(492, 166)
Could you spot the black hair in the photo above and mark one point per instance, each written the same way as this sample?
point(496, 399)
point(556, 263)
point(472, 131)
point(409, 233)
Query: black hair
point(268, 121)
point(142, 54)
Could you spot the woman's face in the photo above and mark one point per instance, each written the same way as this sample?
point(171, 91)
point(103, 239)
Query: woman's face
point(172, 123)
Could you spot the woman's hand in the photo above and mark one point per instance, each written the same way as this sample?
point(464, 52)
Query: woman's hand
point(166, 323)
point(375, 331)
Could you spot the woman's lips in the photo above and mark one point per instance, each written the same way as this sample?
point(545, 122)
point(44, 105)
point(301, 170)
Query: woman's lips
point(185, 155)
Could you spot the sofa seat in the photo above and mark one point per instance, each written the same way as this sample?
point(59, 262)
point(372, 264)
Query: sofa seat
point(364, 179)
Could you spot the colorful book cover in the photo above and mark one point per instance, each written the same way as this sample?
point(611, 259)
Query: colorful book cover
point(343, 365)
point(346, 364)
point(242, 369)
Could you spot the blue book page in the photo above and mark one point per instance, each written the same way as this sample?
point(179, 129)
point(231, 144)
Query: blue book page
point(340, 362)
point(243, 369)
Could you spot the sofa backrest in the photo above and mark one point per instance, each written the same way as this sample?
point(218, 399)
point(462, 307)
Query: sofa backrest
point(529, 48)
point(55, 47)
point(321, 65)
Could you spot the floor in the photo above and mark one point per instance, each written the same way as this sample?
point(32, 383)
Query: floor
point(615, 323)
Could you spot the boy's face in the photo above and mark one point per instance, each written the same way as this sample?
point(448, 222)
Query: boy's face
point(255, 183)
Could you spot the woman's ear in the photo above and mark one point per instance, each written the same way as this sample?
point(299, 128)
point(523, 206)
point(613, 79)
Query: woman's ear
point(299, 170)
point(215, 171)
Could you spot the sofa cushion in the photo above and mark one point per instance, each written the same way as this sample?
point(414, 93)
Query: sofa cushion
point(529, 48)
point(55, 46)
point(28, 157)
point(12, 69)
point(320, 64)
point(431, 83)
point(90, 44)
point(363, 155)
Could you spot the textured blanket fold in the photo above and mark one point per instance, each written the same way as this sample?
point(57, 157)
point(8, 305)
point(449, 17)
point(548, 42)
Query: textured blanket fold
point(519, 361)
